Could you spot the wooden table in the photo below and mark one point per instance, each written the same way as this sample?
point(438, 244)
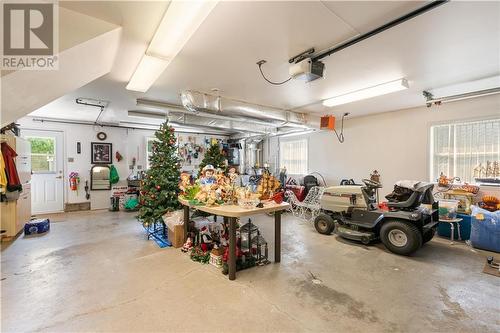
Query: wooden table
point(230, 214)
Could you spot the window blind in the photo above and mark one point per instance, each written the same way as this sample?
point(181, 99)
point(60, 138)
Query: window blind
point(457, 148)
point(293, 156)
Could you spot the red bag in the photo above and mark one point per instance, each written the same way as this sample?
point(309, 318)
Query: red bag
point(299, 191)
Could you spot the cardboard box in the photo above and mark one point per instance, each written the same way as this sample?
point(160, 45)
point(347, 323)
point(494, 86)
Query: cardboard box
point(176, 235)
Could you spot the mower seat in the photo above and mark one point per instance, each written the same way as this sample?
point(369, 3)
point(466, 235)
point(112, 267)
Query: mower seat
point(309, 182)
point(420, 195)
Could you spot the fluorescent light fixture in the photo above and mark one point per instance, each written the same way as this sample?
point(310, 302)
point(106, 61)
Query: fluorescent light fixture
point(378, 90)
point(146, 73)
point(177, 26)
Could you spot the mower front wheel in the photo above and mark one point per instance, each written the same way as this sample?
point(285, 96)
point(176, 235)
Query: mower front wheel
point(324, 224)
point(400, 237)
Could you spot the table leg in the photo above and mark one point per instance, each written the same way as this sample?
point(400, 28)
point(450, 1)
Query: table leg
point(458, 228)
point(452, 227)
point(215, 218)
point(232, 248)
point(186, 222)
point(277, 236)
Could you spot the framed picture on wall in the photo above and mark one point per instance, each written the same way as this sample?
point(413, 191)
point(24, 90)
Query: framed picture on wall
point(102, 153)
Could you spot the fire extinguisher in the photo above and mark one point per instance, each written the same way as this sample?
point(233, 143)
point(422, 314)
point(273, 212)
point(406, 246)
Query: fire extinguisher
point(74, 179)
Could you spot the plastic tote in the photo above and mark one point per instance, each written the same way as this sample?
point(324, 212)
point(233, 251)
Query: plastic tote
point(448, 209)
point(485, 229)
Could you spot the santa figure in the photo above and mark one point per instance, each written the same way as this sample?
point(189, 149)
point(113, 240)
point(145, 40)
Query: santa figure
point(205, 239)
point(188, 245)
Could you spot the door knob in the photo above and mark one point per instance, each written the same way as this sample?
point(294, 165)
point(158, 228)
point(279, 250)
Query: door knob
point(59, 177)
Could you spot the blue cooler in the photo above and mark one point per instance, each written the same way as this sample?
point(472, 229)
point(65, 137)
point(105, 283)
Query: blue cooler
point(37, 226)
point(485, 232)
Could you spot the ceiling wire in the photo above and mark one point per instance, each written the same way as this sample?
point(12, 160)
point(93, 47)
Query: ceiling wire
point(262, 62)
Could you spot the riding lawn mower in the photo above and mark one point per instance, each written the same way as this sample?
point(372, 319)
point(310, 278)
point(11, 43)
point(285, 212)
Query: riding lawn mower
point(403, 227)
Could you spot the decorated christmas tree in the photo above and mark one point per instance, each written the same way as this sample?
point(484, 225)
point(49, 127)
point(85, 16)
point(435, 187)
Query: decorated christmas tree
point(214, 157)
point(159, 188)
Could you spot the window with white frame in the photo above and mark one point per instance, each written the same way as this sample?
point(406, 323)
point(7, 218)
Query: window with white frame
point(149, 150)
point(462, 149)
point(293, 156)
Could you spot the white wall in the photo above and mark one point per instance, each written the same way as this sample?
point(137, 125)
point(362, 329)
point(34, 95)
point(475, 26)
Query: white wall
point(394, 143)
point(129, 142)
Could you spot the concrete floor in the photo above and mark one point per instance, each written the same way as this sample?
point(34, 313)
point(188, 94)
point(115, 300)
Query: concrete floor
point(95, 271)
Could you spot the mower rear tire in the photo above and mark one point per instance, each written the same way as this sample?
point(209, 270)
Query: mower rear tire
point(428, 235)
point(400, 237)
point(324, 224)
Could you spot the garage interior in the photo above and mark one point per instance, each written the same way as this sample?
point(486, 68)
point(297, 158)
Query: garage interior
point(357, 142)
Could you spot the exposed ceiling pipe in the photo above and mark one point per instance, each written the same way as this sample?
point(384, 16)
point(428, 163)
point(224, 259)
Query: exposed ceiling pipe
point(224, 123)
point(180, 109)
point(197, 102)
point(452, 98)
point(229, 125)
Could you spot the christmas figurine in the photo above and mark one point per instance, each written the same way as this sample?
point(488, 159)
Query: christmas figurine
point(188, 245)
point(205, 239)
point(185, 182)
point(234, 177)
point(208, 175)
point(375, 176)
point(283, 176)
point(443, 181)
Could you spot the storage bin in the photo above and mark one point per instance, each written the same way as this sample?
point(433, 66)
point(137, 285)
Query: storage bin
point(448, 209)
point(444, 228)
point(37, 226)
point(485, 229)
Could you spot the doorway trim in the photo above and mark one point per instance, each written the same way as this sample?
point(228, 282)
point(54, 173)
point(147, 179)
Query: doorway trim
point(64, 161)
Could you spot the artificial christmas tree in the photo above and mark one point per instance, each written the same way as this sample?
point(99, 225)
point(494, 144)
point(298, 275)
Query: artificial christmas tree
point(159, 189)
point(214, 157)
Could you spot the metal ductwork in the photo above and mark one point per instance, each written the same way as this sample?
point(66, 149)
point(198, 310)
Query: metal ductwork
point(198, 102)
point(235, 126)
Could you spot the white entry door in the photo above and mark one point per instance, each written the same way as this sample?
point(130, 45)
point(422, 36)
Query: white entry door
point(47, 179)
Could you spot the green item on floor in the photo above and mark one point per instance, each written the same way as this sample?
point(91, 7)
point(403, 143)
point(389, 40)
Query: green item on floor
point(131, 204)
point(113, 175)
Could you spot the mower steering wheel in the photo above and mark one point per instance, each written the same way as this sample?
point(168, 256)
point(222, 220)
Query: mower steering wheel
point(372, 183)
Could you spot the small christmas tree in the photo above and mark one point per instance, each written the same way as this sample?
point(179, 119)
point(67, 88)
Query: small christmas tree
point(159, 189)
point(214, 157)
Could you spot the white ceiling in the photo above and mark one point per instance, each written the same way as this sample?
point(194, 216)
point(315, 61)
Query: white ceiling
point(455, 43)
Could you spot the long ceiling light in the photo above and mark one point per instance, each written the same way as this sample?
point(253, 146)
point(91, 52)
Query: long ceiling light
point(179, 23)
point(378, 90)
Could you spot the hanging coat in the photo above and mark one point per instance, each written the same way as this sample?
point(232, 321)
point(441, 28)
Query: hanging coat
point(3, 176)
point(13, 182)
